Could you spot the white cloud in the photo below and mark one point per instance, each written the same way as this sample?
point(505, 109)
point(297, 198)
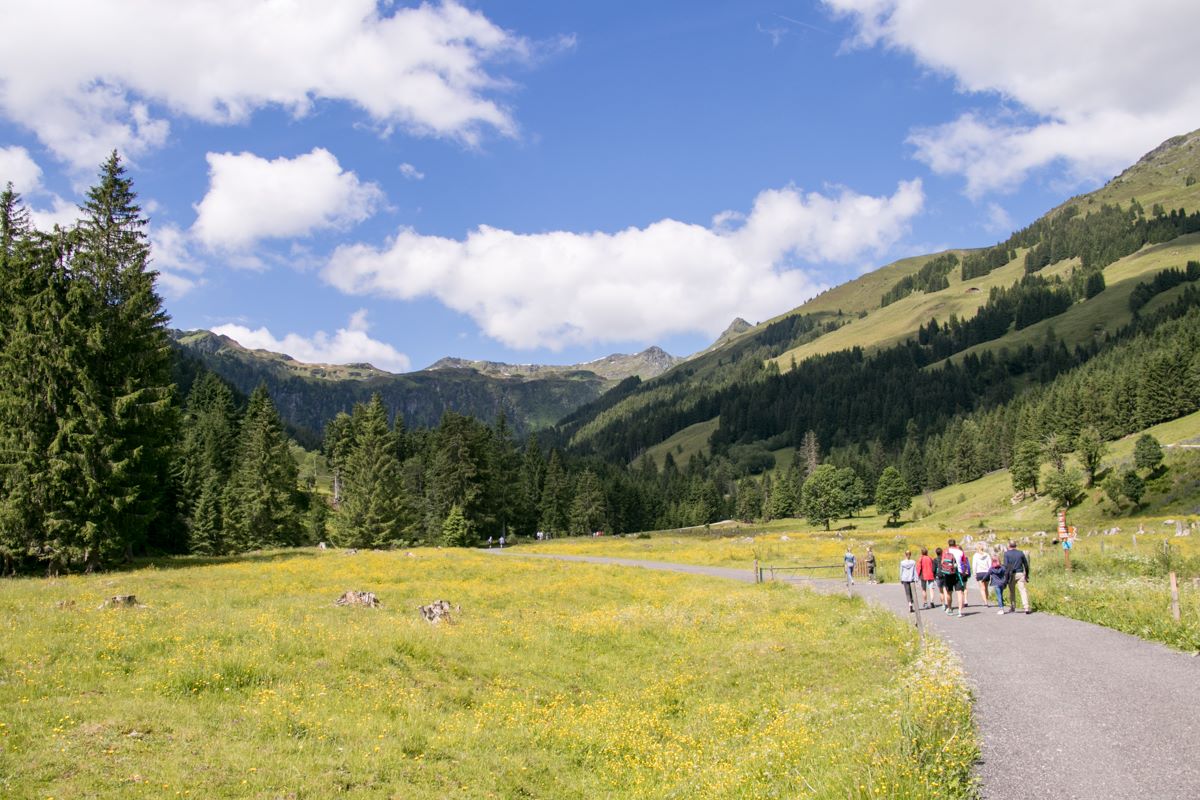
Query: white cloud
point(999, 221)
point(1096, 85)
point(411, 172)
point(349, 345)
point(90, 75)
point(250, 198)
point(560, 288)
point(19, 168)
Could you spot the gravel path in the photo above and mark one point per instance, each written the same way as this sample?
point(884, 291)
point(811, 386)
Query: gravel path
point(1066, 709)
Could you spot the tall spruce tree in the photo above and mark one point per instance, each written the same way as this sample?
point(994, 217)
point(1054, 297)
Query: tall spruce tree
point(374, 511)
point(556, 497)
point(262, 500)
point(588, 510)
point(127, 420)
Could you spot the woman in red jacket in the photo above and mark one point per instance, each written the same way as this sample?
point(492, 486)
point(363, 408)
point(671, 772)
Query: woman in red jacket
point(925, 573)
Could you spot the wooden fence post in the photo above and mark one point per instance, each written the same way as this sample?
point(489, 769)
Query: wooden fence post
point(1174, 597)
point(757, 574)
point(920, 625)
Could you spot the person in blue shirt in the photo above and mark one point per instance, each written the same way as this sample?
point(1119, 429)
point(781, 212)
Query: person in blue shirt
point(997, 578)
point(1016, 565)
point(848, 562)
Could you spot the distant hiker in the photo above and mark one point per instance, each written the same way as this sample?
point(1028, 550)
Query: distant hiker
point(997, 578)
point(942, 589)
point(870, 559)
point(1016, 566)
point(489, 543)
point(501, 541)
point(957, 574)
point(925, 573)
point(981, 564)
point(848, 562)
point(908, 576)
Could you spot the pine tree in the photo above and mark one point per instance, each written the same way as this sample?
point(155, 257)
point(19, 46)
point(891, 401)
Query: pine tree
point(373, 510)
point(809, 452)
point(749, 500)
point(206, 536)
point(459, 473)
point(1027, 466)
point(261, 501)
point(1091, 449)
point(588, 509)
point(1132, 486)
point(456, 530)
point(555, 498)
point(126, 419)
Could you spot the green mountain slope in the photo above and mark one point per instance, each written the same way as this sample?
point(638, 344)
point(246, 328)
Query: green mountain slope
point(1082, 237)
point(309, 395)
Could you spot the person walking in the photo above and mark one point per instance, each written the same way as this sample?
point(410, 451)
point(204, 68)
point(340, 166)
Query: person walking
point(981, 564)
point(848, 562)
point(925, 573)
point(958, 575)
point(1016, 566)
point(940, 566)
point(908, 576)
point(997, 578)
point(870, 559)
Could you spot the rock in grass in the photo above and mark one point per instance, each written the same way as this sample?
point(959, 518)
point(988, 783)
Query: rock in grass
point(439, 610)
point(353, 598)
point(121, 601)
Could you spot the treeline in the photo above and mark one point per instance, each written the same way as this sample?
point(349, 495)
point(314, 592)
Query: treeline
point(98, 460)
point(1030, 300)
point(931, 277)
point(1162, 281)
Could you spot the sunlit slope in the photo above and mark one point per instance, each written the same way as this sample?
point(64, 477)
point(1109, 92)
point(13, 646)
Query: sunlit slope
point(1108, 311)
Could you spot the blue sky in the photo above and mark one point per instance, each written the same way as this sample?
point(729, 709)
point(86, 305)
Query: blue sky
point(552, 182)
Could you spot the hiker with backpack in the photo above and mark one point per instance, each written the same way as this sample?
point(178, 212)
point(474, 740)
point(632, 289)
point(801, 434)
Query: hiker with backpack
point(956, 568)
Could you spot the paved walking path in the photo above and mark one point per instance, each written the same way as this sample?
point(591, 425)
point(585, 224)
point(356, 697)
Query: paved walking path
point(1065, 709)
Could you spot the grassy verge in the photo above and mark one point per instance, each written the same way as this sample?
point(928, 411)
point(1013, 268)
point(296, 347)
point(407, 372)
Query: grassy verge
point(242, 679)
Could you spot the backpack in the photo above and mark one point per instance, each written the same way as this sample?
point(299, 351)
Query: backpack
point(947, 566)
point(964, 566)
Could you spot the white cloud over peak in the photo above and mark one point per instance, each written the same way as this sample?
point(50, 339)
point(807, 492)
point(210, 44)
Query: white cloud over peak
point(90, 75)
point(250, 198)
point(1093, 85)
point(562, 288)
point(349, 345)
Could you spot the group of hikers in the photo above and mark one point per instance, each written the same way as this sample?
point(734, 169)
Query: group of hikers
point(945, 575)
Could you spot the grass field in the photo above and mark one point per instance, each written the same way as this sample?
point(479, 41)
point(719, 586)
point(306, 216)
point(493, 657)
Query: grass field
point(240, 678)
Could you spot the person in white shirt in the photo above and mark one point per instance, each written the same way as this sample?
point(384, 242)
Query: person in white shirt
point(908, 577)
point(981, 563)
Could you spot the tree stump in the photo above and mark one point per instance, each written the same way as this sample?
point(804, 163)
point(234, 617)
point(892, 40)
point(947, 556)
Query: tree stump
point(438, 611)
point(353, 598)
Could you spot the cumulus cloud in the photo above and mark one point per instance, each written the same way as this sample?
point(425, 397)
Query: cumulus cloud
point(349, 345)
point(250, 198)
point(112, 71)
point(411, 172)
point(560, 288)
point(1089, 85)
point(18, 168)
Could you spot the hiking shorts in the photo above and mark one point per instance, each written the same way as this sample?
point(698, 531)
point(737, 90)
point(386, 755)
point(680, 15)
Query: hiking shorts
point(948, 582)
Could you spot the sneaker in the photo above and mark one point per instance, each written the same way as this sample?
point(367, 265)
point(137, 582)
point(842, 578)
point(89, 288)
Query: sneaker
point(1000, 612)
point(1027, 611)
point(959, 615)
